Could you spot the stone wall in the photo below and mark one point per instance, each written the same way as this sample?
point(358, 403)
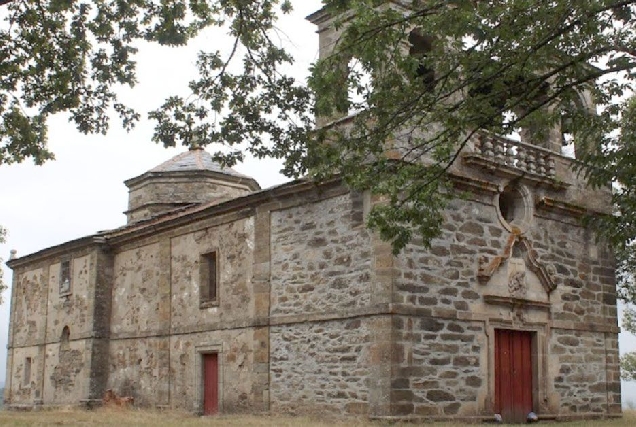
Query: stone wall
point(323, 367)
point(443, 279)
point(29, 306)
point(158, 322)
point(243, 369)
point(580, 313)
point(67, 372)
point(582, 269)
point(438, 367)
point(23, 390)
point(584, 380)
point(141, 293)
point(234, 243)
point(140, 368)
point(39, 315)
point(75, 309)
point(321, 257)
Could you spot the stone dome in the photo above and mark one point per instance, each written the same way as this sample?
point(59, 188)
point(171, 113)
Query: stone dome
point(188, 178)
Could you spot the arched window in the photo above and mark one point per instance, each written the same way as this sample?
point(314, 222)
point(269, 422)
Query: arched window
point(421, 46)
point(567, 134)
point(64, 339)
point(359, 86)
point(509, 121)
point(572, 110)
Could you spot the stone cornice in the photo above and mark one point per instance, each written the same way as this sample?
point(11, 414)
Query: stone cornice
point(462, 182)
point(246, 204)
point(553, 205)
point(240, 181)
point(296, 190)
point(96, 240)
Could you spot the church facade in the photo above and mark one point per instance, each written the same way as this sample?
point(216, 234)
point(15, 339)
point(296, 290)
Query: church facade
point(220, 297)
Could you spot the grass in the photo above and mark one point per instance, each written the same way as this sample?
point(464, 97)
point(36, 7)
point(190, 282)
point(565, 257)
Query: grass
point(134, 417)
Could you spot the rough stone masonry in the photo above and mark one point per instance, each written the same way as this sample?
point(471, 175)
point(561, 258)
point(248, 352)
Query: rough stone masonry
point(217, 296)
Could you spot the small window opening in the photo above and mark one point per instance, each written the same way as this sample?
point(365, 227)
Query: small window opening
point(65, 339)
point(509, 122)
point(65, 277)
point(360, 86)
point(507, 206)
point(208, 286)
point(567, 135)
point(512, 209)
point(421, 46)
point(27, 371)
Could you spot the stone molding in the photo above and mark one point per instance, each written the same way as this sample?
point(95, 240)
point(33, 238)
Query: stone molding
point(84, 244)
point(374, 310)
point(516, 302)
point(553, 205)
point(199, 351)
point(488, 267)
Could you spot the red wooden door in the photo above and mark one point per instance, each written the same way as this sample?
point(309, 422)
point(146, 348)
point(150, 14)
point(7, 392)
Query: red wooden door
point(513, 374)
point(210, 384)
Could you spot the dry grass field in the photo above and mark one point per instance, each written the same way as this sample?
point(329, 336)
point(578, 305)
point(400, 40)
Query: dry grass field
point(121, 418)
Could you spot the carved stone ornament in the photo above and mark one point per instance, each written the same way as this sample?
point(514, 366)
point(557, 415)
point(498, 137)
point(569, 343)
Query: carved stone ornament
point(517, 284)
point(488, 267)
point(519, 316)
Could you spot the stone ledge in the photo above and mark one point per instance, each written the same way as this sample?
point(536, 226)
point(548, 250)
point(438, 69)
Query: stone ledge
point(567, 209)
point(379, 309)
point(82, 337)
point(584, 327)
point(382, 309)
point(516, 302)
point(462, 182)
point(21, 407)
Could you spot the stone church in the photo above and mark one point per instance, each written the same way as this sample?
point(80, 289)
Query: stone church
point(220, 297)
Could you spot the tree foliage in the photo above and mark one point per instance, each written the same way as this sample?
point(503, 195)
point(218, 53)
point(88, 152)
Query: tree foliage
point(628, 360)
point(428, 75)
point(71, 55)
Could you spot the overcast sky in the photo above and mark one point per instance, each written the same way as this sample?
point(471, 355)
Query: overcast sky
point(82, 191)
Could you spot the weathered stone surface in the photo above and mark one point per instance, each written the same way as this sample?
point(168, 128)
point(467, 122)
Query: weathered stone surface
point(234, 244)
point(582, 382)
point(137, 298)
point(240, 359)
point(315, 314)
point(320, 367)
point(340, 276)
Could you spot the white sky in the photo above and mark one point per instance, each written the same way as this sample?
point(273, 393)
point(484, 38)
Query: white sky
point(82, 191)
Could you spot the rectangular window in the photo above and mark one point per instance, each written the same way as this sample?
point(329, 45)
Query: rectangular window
point(208, 283)
point(65, 277)
point(27, 371)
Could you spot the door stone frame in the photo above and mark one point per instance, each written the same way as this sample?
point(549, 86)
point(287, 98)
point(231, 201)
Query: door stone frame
point(540, 340)
point(199, 352)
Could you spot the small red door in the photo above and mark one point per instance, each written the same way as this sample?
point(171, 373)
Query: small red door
point(210, 384)
point(513, 374)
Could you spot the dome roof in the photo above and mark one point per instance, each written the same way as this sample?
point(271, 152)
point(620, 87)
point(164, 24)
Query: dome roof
point(195, 159)
point(188, 178)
